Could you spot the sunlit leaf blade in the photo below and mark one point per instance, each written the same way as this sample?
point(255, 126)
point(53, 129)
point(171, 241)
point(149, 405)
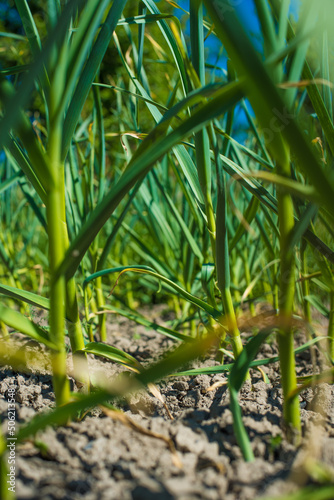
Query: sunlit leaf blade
point(113, 354)
point(20, 323)
point(24, 296)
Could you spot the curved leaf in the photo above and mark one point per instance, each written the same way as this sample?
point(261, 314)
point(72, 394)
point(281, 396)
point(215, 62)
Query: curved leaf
point(114, 354)
point(147, 270)
point(16, 320)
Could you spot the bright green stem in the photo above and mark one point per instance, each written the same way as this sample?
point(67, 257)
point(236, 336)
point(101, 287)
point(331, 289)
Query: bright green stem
point(72, 317)
point(237, 348)
point(64, 293)
point(74, 329)
point(128, 288)
point(73, 322)
point(204, 176)
point(72, 310)
point(3, 329)
point(291, 411)
point(234, 280)
point(248, 281)
point(231, 320)
point(63, 300)
point(55, 212)
point(60, 382)
point(229, 312)
point(176, 306)
point(267, 290)
point(331, 326)
point(57, 294)
point(129, 296)
point(100, 303)
point(89, 325)
point(193, 328)
point(275, 289)
point(305, 283)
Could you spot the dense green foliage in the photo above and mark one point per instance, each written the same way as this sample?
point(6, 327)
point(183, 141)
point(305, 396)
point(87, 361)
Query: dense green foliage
point(121, 165)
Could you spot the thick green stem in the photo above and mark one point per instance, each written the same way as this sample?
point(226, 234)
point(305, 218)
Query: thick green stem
point(231, 321)
point(72, 310)
point(74, 329)
point(291, 411)
point(63, 294)
point(57, 294)
point(204, 175)
point(72, 317)
point(100, 303)
point(55, 212)
point(73, 322)
point(3, 329)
